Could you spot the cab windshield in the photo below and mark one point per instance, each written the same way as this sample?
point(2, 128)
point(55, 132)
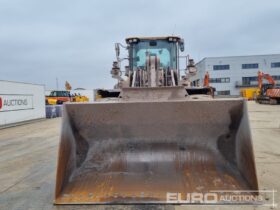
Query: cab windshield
point(166, 51)
point(59, 94)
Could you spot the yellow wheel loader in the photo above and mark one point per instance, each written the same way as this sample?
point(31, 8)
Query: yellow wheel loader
point(153, 136)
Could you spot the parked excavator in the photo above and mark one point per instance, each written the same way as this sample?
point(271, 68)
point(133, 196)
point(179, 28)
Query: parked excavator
point(153, 134)
point(267, 93)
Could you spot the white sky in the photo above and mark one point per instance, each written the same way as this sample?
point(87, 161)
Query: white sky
point(74, 40)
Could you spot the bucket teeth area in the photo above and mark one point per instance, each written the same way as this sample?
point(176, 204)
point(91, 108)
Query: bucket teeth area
point(139, 152)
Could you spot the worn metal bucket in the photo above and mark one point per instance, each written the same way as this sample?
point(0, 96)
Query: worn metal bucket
point(138, 152)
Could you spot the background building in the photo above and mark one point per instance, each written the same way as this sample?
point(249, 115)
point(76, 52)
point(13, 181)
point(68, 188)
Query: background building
point(229, 74)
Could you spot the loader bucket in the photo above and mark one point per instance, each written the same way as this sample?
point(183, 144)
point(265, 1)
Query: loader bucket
point(140, 152)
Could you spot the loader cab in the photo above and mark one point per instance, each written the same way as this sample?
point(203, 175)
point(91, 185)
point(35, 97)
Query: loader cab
point(165, 48)
point(163, 52)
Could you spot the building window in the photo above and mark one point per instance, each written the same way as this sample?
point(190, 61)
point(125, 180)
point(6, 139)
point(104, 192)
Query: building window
point(276, 77)
point(221, 67)
point(195, 83)
point(275, 65)
point(219, 80)
point(250, 66)
point(223, 92)
point(248, 80)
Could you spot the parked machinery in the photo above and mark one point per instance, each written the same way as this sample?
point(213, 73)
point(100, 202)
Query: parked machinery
point(206, 83)
point(268, 93)
point(57, 97)
point(249, 93)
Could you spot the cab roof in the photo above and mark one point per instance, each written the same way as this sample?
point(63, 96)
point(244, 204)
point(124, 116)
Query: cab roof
point(152, 38)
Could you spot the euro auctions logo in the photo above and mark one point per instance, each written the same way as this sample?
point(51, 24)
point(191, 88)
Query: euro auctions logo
point(15, 102)
point(240, 197)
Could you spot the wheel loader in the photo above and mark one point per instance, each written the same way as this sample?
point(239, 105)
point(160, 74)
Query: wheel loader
point(154, 135)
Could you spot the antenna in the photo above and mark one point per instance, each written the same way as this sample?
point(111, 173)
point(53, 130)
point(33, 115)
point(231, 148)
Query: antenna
point(173, 30)
point(56, 83)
